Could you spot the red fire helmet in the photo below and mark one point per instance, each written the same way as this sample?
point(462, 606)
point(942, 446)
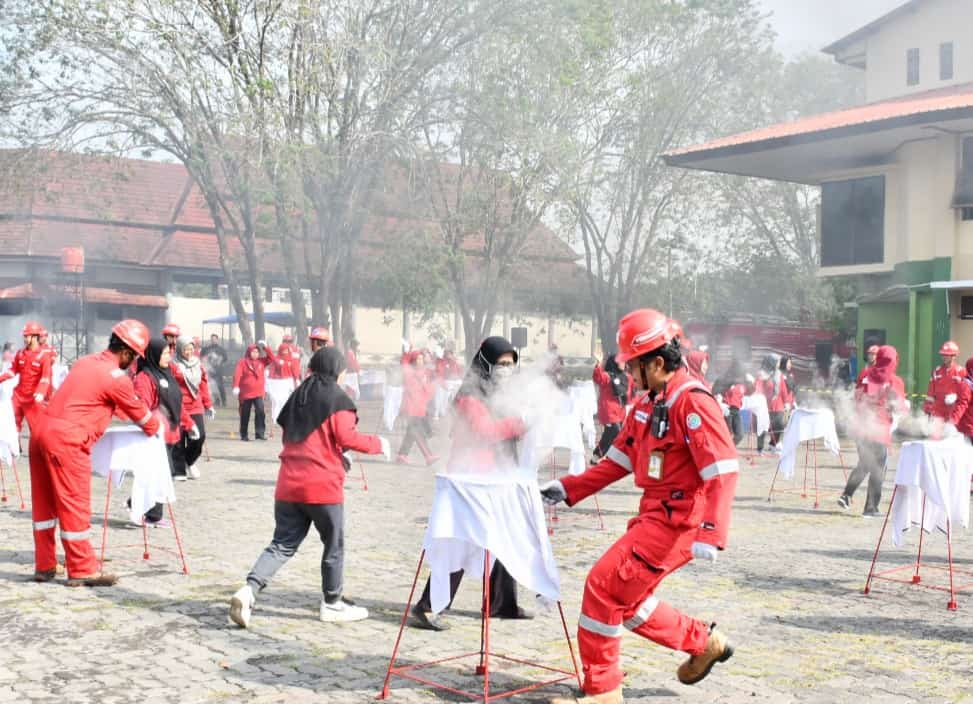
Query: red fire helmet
point(642, 331)
point(134, 334)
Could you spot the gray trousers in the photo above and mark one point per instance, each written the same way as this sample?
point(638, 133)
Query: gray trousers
point(293, 522)
point(872, 462)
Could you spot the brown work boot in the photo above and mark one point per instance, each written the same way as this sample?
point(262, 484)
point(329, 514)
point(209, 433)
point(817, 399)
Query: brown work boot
point(48, 575)
point(612, 697)
point(718, 649)
point(99, 579)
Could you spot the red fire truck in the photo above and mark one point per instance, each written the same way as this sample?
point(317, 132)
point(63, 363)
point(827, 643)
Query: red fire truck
point(748, 338)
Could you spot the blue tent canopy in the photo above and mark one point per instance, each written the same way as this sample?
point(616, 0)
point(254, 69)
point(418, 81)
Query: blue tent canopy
point(284, 319)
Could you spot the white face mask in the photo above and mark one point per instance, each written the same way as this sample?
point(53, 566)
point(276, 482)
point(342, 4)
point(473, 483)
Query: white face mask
point(503, 372)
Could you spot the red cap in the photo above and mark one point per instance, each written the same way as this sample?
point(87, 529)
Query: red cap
point(32, 328)
point(321, 334)
point(642, 331)
point(134, 334)
point(949, 349)
point(287, 337)
point(172, 329)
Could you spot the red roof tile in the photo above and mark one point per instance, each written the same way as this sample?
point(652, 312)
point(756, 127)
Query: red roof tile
point(95, 294)
point(928, 102)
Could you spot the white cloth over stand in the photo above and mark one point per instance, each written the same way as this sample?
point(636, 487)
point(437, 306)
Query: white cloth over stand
point(757, 405)
point(561, 431)
point(349, 382)
point(445, 393)
point(938, 471)
point(391, 406)
point(504, 515)
point(279, 391)
point(127, 449)
point(807, 424)
point(9, 437)
point(584, 400)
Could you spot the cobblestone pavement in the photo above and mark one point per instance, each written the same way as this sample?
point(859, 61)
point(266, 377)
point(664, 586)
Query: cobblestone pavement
point(788, 590)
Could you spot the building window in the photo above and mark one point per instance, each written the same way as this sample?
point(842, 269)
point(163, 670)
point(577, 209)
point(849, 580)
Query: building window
point(966, 213)
point(912, 67)
point(946, 61)
point(853, 222)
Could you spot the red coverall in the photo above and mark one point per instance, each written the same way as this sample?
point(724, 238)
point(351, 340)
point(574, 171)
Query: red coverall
point(945, 381)
point(60, 456)
point(34, 368)
point(688, 478)
point(287, 365)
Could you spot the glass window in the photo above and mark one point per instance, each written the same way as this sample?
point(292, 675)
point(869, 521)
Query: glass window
point(853, 221)
point(946, 61)
point(912, 67)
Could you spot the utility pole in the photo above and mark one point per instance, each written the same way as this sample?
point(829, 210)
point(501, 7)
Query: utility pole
point(669, 275)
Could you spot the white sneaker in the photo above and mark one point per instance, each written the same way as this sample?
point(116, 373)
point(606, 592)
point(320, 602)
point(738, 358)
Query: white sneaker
point(241, 605)
point(179, 478)
point(342, 611)
point(192, 472)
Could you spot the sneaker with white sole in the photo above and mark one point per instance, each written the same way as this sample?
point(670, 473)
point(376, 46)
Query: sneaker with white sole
point(241, 604)
point(342, 611)
point(192, 472)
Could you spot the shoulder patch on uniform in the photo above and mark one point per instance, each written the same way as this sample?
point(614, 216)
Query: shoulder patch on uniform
point(118, 372)
point(641, 417)
point(693, 421)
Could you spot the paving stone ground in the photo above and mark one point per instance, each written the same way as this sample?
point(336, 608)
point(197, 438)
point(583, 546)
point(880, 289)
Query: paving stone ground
point(788, 590)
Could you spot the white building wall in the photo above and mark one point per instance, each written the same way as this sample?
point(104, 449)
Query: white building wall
point(933, 23)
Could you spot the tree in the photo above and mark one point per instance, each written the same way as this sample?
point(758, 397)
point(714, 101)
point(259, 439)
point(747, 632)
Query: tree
point(774, 243)
point(658, 74)
point(492, 138)
point(153, 76)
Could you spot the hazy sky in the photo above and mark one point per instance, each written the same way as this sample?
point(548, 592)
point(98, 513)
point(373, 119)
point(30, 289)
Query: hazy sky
point(809, 25)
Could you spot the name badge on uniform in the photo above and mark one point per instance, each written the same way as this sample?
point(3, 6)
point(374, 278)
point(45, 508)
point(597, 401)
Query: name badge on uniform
point(656, 460)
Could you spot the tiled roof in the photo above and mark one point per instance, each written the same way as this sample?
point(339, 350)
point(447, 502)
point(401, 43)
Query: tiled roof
point(29, 291)
point(915, 106)
point(153, 214)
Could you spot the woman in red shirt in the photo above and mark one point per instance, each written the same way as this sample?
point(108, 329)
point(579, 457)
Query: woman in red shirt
point(698, 364)
point(250, 386)
point(417, 392)
point(194, 384)
point(158, 389)
point(319, 426)
point(880, 395)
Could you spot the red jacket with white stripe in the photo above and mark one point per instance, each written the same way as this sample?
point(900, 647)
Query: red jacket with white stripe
point(733, 396)
point(94, 390)
point(34, 368)
point(692, 470)
point(311, 471)
point(945, 383)
point(481, 439)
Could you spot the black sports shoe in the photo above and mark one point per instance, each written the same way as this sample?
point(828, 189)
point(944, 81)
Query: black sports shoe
point(844, 502)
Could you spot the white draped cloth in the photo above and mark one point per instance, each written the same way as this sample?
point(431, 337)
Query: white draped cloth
point(584, 399)
point(9, 437)
point(500, 514)
point(445, 393)
point(757, 405)
point(561, 431)
point(807, 424)
point(126, 449)
point(279, 391)
point(349, 382)
point(937, 471)
point(392, 403)
point(59, 373)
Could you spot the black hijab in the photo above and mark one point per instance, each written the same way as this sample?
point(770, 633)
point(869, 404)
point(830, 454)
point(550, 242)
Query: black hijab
point(479, 381)
point(317, 398)
point(170, 396)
